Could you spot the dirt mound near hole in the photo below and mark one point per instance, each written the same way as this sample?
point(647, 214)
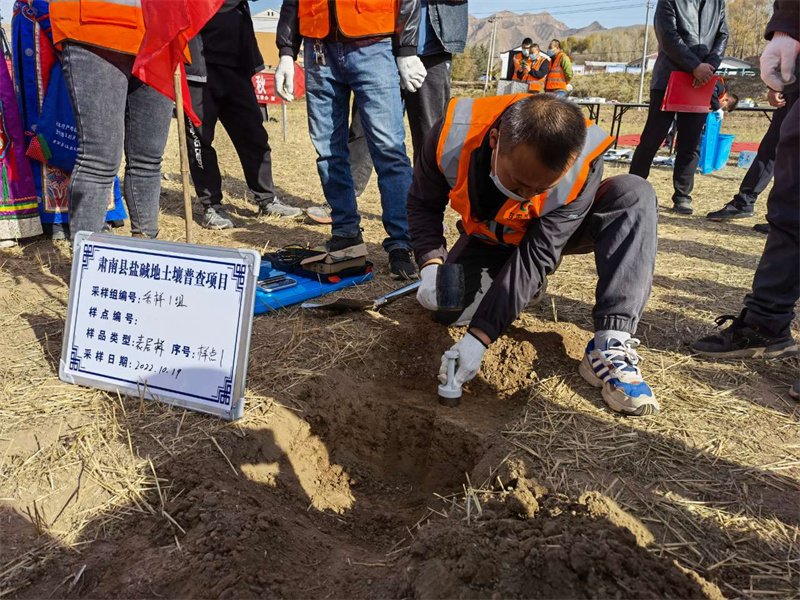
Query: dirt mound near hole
point(523, 547)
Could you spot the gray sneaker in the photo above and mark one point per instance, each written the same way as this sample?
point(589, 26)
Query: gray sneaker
point(794, 391)
point(217, 217)
point(276, 208)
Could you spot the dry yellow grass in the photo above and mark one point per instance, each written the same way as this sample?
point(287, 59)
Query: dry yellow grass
point(715, 475)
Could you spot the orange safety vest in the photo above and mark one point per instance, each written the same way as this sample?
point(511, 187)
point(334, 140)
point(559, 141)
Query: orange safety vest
point(518, 66)
point(723, 96)
point(537, 85)
point(467, 123)
point(355, 18)
point(113, 24)
point(556, 78)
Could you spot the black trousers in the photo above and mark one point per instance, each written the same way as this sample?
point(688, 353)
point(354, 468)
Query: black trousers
point(687, 152)
point(228, 96)
point(760, 172)
point(424, 107)
point(776, 285)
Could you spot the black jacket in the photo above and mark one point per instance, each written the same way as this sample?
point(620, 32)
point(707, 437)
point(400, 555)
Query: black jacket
point(687, 36)
point(233, 21)
point(785, 18)
point(404, 40)
point(521, 277)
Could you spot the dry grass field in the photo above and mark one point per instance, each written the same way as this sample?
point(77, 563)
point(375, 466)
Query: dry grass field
point(345, 478)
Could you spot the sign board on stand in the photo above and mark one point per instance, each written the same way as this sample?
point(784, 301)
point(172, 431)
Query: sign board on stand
point(264, 85)
point(165, 320)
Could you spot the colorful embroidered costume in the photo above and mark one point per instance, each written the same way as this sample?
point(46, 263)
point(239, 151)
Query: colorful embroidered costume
point(35, 69)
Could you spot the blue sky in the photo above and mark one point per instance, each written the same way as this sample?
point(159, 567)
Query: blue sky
point(575, 13)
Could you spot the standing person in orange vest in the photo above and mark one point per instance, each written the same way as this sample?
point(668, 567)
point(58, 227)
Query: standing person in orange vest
point(369, 49)
point(560, 70)
point(526, 175)
point(99, 42)
point(541, 67)
point(529, 67)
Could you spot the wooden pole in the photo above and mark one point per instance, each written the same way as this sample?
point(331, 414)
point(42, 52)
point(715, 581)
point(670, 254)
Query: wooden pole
point(187, 196)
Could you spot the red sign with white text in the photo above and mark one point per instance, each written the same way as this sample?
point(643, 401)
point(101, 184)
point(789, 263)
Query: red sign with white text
point(264, 85)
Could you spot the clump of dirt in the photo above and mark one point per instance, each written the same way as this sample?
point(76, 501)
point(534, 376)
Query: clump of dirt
point(521, 546)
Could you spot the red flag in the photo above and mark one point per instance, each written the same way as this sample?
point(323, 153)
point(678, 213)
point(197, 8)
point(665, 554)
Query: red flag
point(169, 25)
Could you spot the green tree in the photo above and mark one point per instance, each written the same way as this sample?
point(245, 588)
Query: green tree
point(464, 68)
point(747, 20)
point(480, 55)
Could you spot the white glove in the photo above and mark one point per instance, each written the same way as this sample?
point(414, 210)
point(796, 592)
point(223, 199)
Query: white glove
point(470, 354)
point(569, 87)
point(412, 72)
point(720, 114)
point(284, 78)
point(426, 292)
point(778, 61)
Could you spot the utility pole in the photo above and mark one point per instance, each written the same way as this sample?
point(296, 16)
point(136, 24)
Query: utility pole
point(644, 52)
point(493, 20)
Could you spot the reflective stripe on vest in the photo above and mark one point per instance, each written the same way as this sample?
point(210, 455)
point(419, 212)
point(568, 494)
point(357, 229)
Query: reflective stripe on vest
point(113, 24)
point(467, 122)
point(556, 78)
point(355, 18)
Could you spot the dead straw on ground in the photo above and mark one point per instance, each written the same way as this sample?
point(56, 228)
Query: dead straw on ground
point(711, 475)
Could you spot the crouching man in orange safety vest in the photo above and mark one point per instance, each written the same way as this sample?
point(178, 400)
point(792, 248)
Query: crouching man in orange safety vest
point(526, 175)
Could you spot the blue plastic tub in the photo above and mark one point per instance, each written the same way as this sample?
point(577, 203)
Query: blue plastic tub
point(723, 151)
point(708, 144)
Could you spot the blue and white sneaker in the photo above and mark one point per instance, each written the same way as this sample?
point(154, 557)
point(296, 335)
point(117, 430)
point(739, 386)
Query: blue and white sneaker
point(616, 370)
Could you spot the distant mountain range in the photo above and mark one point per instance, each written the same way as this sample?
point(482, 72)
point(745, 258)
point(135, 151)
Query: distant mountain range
point(512, 28)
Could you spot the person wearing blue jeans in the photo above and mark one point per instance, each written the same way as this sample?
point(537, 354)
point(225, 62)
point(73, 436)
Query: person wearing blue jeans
point(350, 52)
point(114, 112)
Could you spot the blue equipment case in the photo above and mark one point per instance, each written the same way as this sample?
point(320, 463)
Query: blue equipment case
point(306, 289)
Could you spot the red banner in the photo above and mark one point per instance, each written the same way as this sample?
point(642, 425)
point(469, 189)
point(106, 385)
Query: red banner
point(264, 85)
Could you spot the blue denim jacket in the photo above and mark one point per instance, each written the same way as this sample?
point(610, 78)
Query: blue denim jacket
point(449, 20)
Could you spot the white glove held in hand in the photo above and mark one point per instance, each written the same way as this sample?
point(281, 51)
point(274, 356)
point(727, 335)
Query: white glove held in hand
point(720, 114)
point(426, 292)
point(412, 72)
point(778, 60)
point(470, 354)
point(569, 87)
point(284, 78)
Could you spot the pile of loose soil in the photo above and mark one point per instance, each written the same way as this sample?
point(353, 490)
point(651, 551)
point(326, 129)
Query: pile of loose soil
point(521, 546)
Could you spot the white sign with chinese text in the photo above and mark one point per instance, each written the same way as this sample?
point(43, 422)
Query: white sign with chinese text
point(165, 320)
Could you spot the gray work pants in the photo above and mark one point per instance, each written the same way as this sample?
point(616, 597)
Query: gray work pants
point(114, 111)
point(620, 228)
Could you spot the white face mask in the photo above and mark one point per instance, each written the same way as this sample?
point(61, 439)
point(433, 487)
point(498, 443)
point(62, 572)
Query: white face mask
point(496, 179)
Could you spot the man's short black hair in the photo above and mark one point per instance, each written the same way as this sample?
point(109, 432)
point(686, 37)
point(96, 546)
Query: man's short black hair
point(535, 46)
point(735, 103)
point(558, 43)
point(555, 128)
point(527, 42)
